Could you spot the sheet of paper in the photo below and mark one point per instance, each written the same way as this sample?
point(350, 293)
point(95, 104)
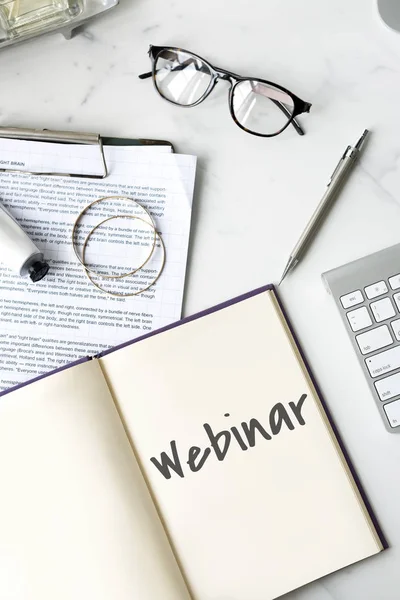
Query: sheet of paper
point(42, 157)
point(64, 317)
point(252, 488)
point(76, 517)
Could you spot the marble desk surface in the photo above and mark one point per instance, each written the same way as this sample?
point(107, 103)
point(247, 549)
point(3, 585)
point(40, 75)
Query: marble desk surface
point(254, 195)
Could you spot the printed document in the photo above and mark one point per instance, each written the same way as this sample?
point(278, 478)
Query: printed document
point(64, 317)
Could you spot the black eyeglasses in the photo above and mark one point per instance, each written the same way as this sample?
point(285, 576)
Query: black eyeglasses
point(258, 106)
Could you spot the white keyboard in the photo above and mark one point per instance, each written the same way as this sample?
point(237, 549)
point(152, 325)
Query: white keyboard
point(367, 293)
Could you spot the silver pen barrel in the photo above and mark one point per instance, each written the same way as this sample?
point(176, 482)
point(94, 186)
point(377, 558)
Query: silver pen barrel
point(333, 189)
point(335, 185)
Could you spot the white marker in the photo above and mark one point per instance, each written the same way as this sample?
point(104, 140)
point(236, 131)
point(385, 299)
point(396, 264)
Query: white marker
point(17, 250)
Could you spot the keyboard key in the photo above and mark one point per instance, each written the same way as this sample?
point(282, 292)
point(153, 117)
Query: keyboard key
point(396, 328)
point(392, 411)
point(352, 299)
point(377, 289)
point(359, 319)
point(384, 362)
point(374, 340)
point(394, 282)
point(389, 387)
point(382, 309)
point(396, 298)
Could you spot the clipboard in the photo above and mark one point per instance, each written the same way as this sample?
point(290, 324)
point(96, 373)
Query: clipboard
point(74, 137)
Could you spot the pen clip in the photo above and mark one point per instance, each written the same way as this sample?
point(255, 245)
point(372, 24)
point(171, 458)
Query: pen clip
point(338, 165)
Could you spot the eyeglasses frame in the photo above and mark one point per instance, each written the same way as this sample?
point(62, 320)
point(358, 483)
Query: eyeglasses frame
point(217, 73)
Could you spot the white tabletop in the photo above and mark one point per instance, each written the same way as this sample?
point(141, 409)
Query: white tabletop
point(254, 195)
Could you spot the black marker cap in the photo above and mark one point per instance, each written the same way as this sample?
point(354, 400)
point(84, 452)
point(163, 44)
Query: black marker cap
point(38, 270)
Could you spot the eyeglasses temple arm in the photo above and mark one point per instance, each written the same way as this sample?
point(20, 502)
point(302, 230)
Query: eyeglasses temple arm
point(145, 75)
point(295, 123)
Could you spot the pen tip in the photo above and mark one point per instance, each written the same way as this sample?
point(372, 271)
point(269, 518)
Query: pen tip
point(292, 262)
point(285, 272)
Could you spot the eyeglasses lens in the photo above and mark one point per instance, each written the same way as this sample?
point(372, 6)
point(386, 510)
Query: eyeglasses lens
point(261, 108)
point(181, 77)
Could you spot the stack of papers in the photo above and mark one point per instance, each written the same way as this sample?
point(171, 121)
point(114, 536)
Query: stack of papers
point(64, 317)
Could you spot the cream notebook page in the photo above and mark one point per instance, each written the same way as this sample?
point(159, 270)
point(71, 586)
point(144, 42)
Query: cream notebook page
point(280, 509)
point(76, 519)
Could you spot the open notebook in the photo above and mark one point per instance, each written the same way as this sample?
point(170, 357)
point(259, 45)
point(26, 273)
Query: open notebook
point(197, 462)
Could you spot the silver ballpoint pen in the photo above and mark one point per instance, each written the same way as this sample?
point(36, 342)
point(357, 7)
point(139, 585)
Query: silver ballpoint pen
point(335, 184)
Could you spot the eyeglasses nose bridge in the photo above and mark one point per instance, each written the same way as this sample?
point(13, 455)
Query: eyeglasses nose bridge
point(224, 77)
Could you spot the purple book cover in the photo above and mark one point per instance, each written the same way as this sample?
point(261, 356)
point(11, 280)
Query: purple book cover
point(204, 313)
